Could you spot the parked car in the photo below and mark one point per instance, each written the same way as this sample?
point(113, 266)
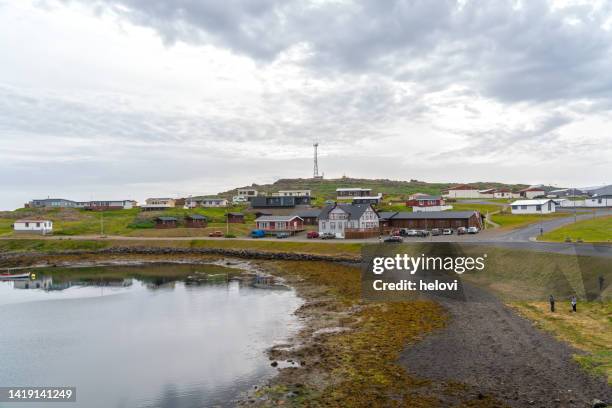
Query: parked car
point(461, 230)
point(312, 234)
point(282, 235)
point(411, 233)
point(394, 239)
point(436, 231)
point(327, 235)
point(215, 234)
point(447, 231)
point(257, 233)
point(422, 233)
point(473, 230)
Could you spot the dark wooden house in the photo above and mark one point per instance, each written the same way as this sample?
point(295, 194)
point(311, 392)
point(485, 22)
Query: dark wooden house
point(196, 221)
point(429, 220)
point(310, 217)
point(166, 222)
point(235, 218)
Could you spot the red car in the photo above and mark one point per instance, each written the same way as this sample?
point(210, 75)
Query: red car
point(312, 234)
point(215, 234)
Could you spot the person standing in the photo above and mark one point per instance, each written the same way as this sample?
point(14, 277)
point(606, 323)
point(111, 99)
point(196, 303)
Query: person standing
point(552, 303)
point(573, 301)
point(601, 283)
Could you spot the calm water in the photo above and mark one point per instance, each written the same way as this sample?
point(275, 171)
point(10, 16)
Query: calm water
point(133, 340)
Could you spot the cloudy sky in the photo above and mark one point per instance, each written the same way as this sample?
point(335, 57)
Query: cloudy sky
point(136, 98)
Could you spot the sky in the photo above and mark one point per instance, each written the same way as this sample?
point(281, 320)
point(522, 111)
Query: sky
point(129, 99)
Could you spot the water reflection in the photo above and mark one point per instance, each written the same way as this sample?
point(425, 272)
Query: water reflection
point(146, 336)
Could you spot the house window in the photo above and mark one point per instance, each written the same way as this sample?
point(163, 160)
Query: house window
point(515, 207)
point(538, 208)
point(27, 224)
point(332, 225)
point(523, 207)
point(323, 226)
point(38, 225)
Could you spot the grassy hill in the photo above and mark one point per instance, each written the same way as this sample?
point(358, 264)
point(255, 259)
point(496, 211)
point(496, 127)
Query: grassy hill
point(326, 188)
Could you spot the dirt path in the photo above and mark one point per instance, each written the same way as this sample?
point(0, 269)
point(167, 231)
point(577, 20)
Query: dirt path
point(488, 346)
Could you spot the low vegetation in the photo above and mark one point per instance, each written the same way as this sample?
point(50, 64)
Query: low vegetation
point(588, 330)
point(594, 230)
point(513, 221)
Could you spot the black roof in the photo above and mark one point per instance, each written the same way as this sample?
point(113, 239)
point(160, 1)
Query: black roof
point(196, 217)
point(433, 215)
point(166, 219)
point(385, 215)
point(309, 213)
point(355, 211)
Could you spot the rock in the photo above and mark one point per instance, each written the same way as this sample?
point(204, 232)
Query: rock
point(274, 364)
point(598, 403)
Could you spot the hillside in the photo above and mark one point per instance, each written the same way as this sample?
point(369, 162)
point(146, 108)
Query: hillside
point(326, 188)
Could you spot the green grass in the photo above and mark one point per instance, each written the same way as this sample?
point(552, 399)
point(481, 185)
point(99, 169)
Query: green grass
point(594, 230)
point(346, 249)
point(70, 222)
point(589, 330)
point(506, 220)
point(482, 208)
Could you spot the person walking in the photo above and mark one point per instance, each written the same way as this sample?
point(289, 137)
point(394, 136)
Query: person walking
point(601, 283)
point(552, 303)
point(573, 301)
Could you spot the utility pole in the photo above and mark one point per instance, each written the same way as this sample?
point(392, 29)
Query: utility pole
point(315, 170)
point(227, 218)
point(102, 223)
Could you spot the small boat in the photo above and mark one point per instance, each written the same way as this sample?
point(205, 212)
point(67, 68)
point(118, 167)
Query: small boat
point(9, 276)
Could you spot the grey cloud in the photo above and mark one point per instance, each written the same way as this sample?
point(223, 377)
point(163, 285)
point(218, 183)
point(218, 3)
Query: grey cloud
point(512, 53)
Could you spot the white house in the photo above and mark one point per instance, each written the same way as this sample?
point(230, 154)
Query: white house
point(462, 191)
point(158, 204)
point(43, 227)
point(293, 193)
point(604, 200)
point(239, 199)
point(247, 193)
point(544, 206)
point(338, 219)
point(352, 192)
point(193, 202)
point(488, 193)
point(505, 193)
point(532, 192)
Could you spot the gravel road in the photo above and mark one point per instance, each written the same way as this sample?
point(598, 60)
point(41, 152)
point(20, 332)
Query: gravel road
point(488, 346)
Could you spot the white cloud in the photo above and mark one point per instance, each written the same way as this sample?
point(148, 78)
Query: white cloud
point(141, 97)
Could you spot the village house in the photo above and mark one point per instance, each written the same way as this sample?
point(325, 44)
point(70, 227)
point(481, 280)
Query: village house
point(349, 220)
point(487, 193)
point(543, 206)
point(235, 218)
point(532, 192)
point(206, 202)
point(374, 200)
point(51, 203)
point(158, 204)
point(107, 205)
point(239, 199)
point(247, 193)
point(462, 191)
point(274, 202)
point(33, 226)
point(427, 203)
point(280, 223)
point(97, 205)
point(599, 200)
point(350, 193)
point(293, 193)
point(310, 217)
point(505, 193)
point(166, 222)
point(428, 220)
point(196, 221)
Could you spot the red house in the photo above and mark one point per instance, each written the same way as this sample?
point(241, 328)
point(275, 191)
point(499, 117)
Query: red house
point(235, 218)
point(424, 201)
point(280, 223)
